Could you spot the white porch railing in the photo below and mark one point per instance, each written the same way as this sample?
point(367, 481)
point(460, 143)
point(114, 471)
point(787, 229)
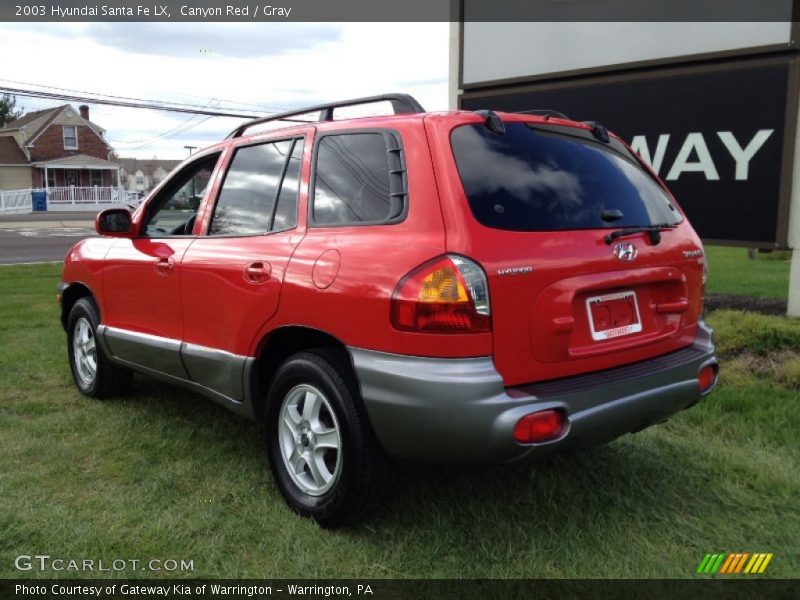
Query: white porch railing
point(69, 199)
point(82, 195)
point(88, 198)
point(16, 201)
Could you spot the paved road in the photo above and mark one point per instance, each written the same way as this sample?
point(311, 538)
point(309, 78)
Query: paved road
point(41, 237)
point(48, 217)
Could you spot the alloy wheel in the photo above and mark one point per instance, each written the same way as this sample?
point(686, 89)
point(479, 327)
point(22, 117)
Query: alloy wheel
point(310, 440)
point(84, 350)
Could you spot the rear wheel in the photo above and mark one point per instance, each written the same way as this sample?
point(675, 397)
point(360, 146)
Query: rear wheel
point(323, 453)
point(94, 374)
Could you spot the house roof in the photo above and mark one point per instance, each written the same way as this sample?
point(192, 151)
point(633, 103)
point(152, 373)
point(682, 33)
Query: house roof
point(79, 161)
point(50, 115)
point(28, 118)
point(146, 166)
point(10, 152)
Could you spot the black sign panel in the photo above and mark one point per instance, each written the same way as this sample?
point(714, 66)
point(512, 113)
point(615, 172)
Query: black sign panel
point(715, 134)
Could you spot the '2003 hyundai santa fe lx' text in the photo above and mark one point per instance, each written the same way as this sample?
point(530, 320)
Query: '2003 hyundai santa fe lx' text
point(458, 286)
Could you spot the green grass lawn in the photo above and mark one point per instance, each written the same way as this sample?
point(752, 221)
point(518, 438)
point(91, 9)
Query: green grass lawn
point(162, 473)
point(730, 271)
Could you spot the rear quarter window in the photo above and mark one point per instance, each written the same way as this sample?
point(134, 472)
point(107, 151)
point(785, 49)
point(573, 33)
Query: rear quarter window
point(359, 179)
point(532, 179)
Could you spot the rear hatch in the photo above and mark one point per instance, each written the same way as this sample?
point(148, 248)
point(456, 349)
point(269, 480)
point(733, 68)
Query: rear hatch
point(535, 205)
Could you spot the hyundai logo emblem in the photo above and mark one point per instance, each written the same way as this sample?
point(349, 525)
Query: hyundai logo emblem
point(625, 251)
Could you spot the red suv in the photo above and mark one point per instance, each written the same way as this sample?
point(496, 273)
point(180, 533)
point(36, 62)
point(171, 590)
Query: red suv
point(457, 286)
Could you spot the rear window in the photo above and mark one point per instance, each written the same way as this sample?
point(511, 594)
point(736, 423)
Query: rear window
point(531, 179)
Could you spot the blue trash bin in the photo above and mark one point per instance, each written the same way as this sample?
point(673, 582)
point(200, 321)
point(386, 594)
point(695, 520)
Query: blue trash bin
point(39, 201)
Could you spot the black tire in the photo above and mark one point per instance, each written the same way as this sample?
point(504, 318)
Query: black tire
point(364, 474)
point(108, 380)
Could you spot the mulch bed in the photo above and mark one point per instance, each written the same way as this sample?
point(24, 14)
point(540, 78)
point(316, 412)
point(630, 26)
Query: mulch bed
point(767, 306)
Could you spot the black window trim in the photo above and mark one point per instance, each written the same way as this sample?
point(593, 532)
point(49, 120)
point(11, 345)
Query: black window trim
point(386, 132)
point(166, 186)
point(234, 149)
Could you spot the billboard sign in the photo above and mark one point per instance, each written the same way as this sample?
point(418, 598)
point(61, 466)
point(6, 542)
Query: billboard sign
point(720, 135)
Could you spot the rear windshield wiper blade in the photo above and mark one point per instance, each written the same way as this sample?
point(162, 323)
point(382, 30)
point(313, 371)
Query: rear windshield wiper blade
point(653, 232)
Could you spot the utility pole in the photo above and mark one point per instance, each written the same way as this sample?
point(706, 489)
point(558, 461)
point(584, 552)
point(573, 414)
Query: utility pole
point(190, 148)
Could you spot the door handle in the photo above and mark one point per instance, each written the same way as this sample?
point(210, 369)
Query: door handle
point(257, 272)
point(164, 266)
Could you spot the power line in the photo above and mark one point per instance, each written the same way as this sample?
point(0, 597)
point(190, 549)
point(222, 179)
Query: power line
point(262, 107)
point(168, 136)
point(162, 134)
point(184, 125)
point(124, 104)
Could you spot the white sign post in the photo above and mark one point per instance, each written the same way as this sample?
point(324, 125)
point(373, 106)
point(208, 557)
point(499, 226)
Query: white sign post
point(793, 309)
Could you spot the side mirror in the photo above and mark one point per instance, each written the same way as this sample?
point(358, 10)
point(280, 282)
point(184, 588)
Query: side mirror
point(115, 222)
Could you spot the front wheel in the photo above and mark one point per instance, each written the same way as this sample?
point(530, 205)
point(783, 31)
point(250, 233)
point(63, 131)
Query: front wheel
point(94, 374)
point(320, 444)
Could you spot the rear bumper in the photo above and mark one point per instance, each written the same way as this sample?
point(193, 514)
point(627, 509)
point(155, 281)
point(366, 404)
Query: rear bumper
point(457, 410)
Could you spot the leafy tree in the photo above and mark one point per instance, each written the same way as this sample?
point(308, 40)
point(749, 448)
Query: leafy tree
point(8, 112)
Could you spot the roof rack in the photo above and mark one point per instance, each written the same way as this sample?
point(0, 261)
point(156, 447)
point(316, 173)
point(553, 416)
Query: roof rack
point(544, 112)
point(401, 104)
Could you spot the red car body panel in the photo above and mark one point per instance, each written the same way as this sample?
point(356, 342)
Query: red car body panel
point(340, 280)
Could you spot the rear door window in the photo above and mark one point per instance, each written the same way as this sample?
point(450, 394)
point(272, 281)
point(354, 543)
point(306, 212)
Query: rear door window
point(286, 211)
point(532, 179)
point(253, 189)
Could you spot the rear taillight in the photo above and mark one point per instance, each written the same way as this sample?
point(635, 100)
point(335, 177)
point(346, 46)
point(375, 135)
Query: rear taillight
point(446, 295)
point(540, 426)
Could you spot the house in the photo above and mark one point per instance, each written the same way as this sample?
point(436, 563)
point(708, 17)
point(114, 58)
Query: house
point(54, 148)
point(140, 176)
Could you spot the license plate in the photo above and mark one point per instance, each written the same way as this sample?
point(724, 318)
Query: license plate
point(613, 315)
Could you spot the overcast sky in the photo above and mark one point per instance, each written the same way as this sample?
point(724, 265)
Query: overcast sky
point(241, 66)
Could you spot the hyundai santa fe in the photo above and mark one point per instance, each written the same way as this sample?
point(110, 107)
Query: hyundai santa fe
point(472, 287)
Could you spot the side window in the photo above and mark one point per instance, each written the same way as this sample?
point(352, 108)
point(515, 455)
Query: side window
point(174, 210)
point(247, 199)
point(70, 137)
point(286, 211)
point(359, 179)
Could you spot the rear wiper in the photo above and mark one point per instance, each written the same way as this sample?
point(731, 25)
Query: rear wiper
point(653, 232)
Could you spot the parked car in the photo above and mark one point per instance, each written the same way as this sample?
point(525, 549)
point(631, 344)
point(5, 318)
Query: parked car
point(472, 287)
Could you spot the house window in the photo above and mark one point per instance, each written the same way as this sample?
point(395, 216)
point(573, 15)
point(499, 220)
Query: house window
point(139, 178)
point(97, 178)
point(51, 178)
point(70, 137)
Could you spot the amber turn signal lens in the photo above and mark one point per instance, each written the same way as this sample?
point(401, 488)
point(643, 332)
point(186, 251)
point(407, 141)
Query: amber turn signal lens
point(442, 285)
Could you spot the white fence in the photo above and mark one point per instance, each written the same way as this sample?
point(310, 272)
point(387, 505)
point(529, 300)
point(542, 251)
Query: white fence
point(88, 198)
point(15, 201)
